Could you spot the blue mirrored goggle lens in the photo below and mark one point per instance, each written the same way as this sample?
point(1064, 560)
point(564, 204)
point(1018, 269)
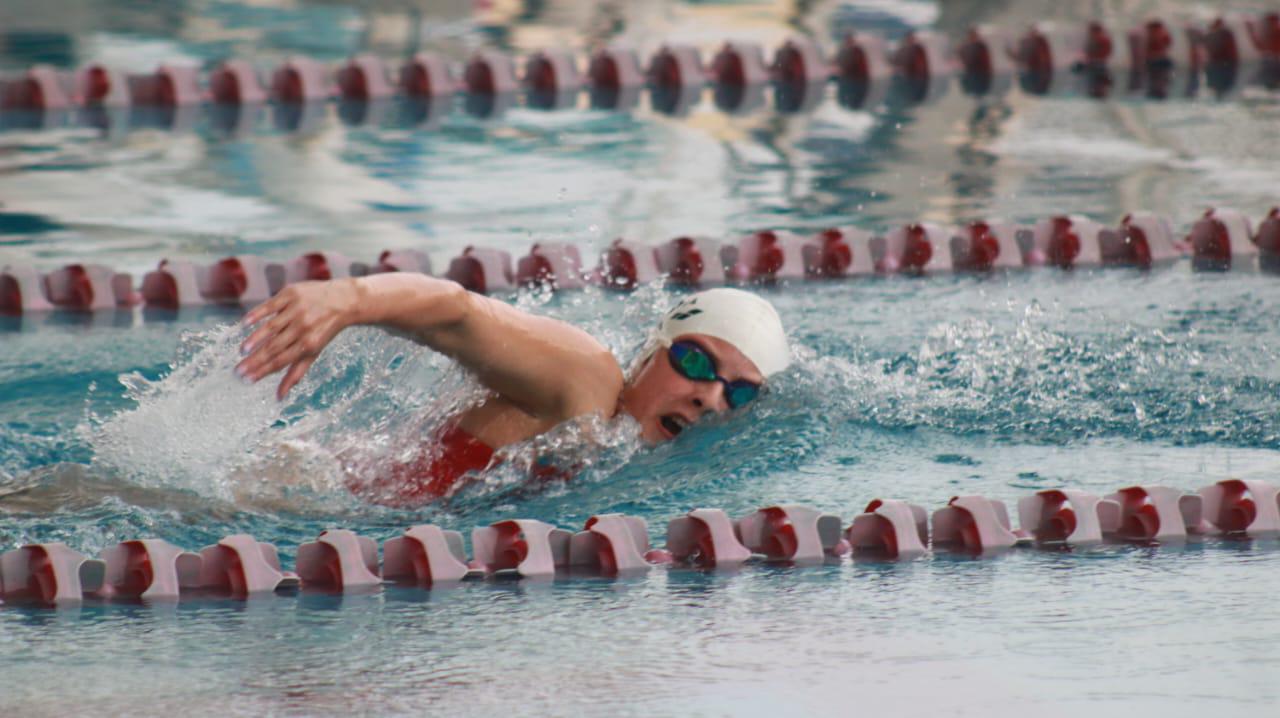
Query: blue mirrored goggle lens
point(739, 393)
point(692, 362)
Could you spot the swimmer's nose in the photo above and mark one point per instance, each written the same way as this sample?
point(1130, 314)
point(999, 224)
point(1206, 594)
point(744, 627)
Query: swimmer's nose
point(708, 397)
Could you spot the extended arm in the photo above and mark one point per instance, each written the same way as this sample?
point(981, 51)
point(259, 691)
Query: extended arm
point(548, 368)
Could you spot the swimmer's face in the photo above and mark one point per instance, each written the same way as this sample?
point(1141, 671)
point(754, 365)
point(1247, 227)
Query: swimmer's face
point(665, 403)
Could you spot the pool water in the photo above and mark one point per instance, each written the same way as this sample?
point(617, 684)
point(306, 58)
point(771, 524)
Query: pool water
point(130, 424)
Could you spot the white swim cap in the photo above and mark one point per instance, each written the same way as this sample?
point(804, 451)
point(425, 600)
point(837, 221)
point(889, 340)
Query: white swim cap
point(748, 322)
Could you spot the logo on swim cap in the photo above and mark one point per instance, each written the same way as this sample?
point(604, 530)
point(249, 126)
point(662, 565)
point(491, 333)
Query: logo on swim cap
point(745, 320)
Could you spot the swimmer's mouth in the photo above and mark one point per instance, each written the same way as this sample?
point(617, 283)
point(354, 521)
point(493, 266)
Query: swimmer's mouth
point(673, 423)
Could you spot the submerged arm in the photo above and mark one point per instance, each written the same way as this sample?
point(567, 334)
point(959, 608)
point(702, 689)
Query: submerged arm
point(546, 367)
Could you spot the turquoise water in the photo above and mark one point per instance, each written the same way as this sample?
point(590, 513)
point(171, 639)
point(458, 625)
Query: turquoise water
point(126, 425)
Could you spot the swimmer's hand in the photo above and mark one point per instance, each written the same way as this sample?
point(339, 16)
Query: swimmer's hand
point(295, 326)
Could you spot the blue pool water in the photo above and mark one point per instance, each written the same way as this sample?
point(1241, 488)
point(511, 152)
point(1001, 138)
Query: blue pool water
point(130, 424)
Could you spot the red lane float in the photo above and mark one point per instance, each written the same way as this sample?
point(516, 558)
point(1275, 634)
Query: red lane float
point(174, 285)
point(1221, 240)
point(692, 261)
point(739, 75)
point(40, 88)
point(705, 537)
point(976, 524)
point(838, 252)
point(677, 68)
point(552, 79)
point(300, 81)
point(1143, 240)
point(921, 63)
point(615, 78)
point(1156, 513)
point(766, 256)
point(627, 265)
point(49, 573)
point(244, 279)
point(89, 287)
point(425, 554)
point(738, 64)
point(1267, 241)
point(100, 86)
point(799, 61)
point(242, 566)
point(425, 76)
point(150, 570)
point(798, 534)
point(318, 266)
point(676, 79)
point(984, 246)
point(919, 248)
point(985, 64)
point(891, 528)
point(1066, 242)
point(364, 78)
point(168, 86)
point(554, 264)
point(1241, 507)
point(529, 548)
point(489, 72)
point(1045, 55)
point(1155, 43)
point(401, 260)
point(1229, 44)
point(1061, 516)
point(482, 270)
point(611, 545)
point(862, 71)
point(236, 82)
point(22, 290)
point(339, 560)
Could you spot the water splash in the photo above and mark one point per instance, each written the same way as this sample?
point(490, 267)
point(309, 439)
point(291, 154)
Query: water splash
point(371, 400)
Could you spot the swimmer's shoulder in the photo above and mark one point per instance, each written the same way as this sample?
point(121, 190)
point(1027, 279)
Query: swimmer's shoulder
point(597, 380)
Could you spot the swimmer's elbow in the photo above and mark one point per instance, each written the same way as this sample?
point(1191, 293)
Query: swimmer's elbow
point(454, 305)
point(421, 307)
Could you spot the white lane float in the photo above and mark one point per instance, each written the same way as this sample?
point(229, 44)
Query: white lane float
point(613, 545)
point(427, 555)
point(974, 524)
point(49, 573)
point(524, 547)
point(339, 559)
point(892, 528)
point(798, 534)
point(242, 566)
point(706, 537)
point(149, 570)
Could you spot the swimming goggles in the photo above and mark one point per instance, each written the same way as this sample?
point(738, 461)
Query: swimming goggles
point(691, 361)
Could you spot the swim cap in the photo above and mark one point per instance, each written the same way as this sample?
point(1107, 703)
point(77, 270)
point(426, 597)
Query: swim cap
point(746, 321)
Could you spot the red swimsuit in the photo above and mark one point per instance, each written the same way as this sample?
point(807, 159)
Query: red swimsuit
point(439, 469)
point(430, 476)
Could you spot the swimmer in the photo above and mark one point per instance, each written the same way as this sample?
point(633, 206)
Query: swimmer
point(711, 354)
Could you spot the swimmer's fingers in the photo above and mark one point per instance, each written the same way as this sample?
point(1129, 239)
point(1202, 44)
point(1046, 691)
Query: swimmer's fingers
point(278, 352)
point(294, 375)
point(275, 326)
point(273, 305)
